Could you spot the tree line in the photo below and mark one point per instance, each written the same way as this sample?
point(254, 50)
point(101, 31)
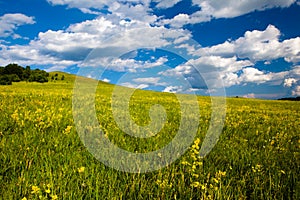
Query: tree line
point(16, 73)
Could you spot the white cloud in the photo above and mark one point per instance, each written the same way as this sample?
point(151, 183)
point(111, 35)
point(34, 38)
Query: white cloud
point(254, 75)
point(215, 72)
point(296, 91)
point(173, 89)
point(233, 8)
point(178, 21)
point(10, 22)
point(133, 9)
point(251, 96)
point(71, 46)
point(133, 85)
point(209, 71)
point(230, 79)
point(83, 5)
point(92, 27)
point(29, 55)
point(150, 81)
point(106, 80)
point(208, 64)
point(212, 63)
point(209, 9)
point(292, 81)
point(166, 3)
point(56, 68)
point(289, 82)
point(131, 65)
point(257, 46)
point(139, 12)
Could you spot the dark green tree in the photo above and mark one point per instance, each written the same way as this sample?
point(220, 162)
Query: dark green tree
point(27, 73)
point(5, 80)
point(14, 69)
point(38, 76)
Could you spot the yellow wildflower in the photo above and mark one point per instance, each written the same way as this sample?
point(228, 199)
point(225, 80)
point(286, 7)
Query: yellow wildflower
point(195, 175)
point(68, 129)
point(195, 184)
point(215, 180)
point(219, 174)
point(185, 163)
point(81, 169)
point(202, 187)
point(35, 189)
point(54, 197)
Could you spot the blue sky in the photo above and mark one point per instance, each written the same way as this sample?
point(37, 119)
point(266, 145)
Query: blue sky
point(250, 48)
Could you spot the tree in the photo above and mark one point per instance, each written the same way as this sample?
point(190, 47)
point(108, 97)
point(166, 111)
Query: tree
point(14, 69)
point(63, 77)
point(14, 77)
point(27, 73)
point(5, 80)
point(1, 70)
point(38, 76)
point(15, 73)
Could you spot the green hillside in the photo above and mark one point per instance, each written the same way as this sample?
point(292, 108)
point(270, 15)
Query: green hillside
point(42, 156)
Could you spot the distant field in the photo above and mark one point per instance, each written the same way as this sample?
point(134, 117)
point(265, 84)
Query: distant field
point(42, 156)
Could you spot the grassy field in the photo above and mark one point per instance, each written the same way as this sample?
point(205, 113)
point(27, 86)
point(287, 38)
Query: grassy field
point(42, 156)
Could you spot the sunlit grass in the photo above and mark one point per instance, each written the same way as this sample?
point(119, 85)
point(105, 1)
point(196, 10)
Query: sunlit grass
point(42, 157)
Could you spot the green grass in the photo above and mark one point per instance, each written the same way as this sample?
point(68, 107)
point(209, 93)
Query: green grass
point(256, 157)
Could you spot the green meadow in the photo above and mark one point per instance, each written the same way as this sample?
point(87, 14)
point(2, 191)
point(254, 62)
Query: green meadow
point(42, 157)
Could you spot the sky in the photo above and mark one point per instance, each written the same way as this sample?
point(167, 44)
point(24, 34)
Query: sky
point(245, 48)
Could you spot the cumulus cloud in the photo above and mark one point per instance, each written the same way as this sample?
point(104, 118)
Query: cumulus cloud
point(73, 45)
point(178, 21)
point(250, 96)
point(289, 82)
point(292, 81)
point(29, 55)
point(133, 9)
point(106, 80)
point(233, 8)
point(151, 80)
point(166, 3)
point(209, 9)
point(251, 74)
point(10, 22)
point(134, 85)
point(296, 91)
point(211, 71)
point(83, 5)
point(174, 89)
point(257, 46)
point(129, 65)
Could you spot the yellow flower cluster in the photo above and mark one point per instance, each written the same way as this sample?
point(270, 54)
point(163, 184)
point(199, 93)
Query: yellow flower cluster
point(257, 168)
point(42, 193)
point(35, 189)
point(68, 129)
point(209, 185)
point(164, 184)
point(81, 169)
point(193, 167)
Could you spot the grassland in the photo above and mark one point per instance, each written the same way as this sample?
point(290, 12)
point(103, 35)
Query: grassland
point(42, 156)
